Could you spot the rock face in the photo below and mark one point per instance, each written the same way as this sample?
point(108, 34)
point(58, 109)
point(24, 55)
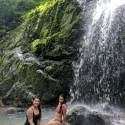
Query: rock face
point(82, 116)
point(36, 57)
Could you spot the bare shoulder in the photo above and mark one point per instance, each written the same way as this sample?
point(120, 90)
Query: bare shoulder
point(64, 106)
point(30, 110)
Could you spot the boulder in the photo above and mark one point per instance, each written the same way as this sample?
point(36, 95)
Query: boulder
point(82, 116)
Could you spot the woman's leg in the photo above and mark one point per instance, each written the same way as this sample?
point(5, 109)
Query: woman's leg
point(52, 122)
point(57, 123)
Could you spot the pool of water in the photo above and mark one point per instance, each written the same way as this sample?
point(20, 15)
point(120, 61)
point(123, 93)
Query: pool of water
point(118, 115)
point(19, 118)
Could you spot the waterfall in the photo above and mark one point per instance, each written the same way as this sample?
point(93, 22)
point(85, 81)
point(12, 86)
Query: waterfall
point(100, 69)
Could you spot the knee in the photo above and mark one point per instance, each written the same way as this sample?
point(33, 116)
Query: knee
point(46, 124)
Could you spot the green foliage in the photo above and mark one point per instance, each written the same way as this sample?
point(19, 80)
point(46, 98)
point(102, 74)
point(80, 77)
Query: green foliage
point(50, 67)
point(45, 1)
point(53, 23)
point(12, 12)
point(37, 42)
point(2, 63)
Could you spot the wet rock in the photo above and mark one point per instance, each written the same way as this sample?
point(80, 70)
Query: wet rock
point(76, 116)
point(1, 104)
point(82, 116)
point(67, 123)
point(93, 119)
point(108, 109)
point(21, 94)
point(40, 54)
point(12, 110)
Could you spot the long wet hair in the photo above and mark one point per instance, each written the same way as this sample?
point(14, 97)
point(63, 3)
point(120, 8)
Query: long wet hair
point(64, 102)
point(39, 106)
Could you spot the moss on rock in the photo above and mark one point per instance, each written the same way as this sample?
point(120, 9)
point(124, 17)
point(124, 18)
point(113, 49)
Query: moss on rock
point(49, 27)
point(38, 53)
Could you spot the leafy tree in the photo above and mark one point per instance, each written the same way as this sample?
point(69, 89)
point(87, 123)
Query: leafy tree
point(11, 12)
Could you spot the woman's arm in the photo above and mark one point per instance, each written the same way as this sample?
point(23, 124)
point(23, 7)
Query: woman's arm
point(30, 116)
point(40, 121)
point(64, 109)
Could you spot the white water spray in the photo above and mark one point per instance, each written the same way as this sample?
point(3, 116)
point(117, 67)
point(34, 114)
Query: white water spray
point(97, 32)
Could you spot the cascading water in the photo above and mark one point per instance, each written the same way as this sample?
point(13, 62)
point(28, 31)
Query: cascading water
point(100, 68)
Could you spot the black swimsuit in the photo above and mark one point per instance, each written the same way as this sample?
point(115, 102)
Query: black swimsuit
point(35, 119)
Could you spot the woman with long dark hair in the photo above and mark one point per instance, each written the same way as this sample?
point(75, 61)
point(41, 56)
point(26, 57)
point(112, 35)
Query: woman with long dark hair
point(60, 116)
point(34, 114)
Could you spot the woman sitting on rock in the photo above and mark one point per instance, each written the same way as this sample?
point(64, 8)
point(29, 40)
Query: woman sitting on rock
point(34, 114)
point(60, 116)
